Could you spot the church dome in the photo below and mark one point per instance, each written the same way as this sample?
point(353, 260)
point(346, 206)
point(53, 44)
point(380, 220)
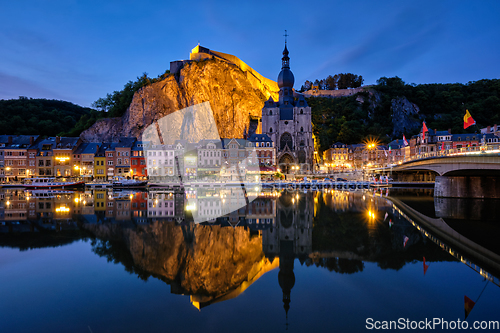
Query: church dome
point(285, 78)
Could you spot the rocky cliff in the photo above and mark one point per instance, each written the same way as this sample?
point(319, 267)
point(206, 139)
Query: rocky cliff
point(405, 116)
point(196, 260)
point(234, 96)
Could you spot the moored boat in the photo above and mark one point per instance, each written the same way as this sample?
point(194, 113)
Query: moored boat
point(51, 183)
point(123, 182)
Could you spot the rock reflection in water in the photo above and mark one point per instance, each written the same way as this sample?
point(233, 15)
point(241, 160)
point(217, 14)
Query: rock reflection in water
point(207, 261)
point(150, 233)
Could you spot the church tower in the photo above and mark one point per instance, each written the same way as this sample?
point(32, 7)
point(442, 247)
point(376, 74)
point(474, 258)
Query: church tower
point(288, 123)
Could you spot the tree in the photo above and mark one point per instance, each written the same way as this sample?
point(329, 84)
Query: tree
point(117, 103)
point(331, 82)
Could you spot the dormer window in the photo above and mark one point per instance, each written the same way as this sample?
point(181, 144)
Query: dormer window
point(301, 111)
point(271, 112)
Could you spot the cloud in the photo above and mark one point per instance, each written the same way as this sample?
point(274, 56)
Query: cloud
point(13, 87)
point(406, 35)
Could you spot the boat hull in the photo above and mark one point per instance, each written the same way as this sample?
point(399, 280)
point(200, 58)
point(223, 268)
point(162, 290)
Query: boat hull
point(141, 184)
point(54, 186)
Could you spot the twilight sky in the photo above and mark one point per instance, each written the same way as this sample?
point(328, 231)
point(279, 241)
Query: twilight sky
point(78, 50)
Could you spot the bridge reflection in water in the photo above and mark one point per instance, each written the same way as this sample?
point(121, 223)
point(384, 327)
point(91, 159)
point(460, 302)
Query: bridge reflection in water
point(476, 256)
point(152, 235)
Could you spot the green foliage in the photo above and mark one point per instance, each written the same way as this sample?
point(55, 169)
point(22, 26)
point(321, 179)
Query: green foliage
point(443, 105)
point(116, 104)
point(344, 120)
point(338, 81)
point(84, 122)
point(39, 116)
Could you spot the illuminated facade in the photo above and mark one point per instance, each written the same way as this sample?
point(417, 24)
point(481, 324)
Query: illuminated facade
point(288, 123)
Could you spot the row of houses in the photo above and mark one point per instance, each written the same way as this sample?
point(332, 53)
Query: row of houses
point(25, 156)
point(103, 205)
point(433, 143)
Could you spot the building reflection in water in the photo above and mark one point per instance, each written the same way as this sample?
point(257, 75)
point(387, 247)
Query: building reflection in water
point(289, 236)
point(154, 233)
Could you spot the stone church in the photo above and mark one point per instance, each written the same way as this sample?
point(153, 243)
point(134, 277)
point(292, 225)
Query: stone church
point(288, 123)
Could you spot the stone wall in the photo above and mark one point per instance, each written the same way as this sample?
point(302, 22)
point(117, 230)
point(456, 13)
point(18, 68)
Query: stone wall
point(467, 187)
point(334, 93)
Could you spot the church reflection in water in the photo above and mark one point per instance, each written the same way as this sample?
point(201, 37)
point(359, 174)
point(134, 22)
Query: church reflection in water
point(289, 237)
point(153, 234)
point(159, 234)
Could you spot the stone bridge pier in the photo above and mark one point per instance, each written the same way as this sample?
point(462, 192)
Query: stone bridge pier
point(467, 187)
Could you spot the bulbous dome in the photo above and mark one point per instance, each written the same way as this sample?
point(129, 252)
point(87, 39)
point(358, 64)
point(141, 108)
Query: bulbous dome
point(285, 78)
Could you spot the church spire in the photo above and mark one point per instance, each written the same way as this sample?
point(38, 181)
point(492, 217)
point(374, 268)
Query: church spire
point(285, 61)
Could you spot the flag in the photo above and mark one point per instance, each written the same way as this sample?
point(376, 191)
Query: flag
point(424, 129)
point(390, 223)
point(389, 149)
point(468, 305)
point(442, 146)
point(385, 217)
point(405, 240)
point(404, 140)
point(468, 121)
point(385, 152)
point(425, 267)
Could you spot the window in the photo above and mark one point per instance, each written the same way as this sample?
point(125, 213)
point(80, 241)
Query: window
point(271, 112)
point(271, 130)
point(110, 162)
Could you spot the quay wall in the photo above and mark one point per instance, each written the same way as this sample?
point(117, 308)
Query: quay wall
point(467, 187)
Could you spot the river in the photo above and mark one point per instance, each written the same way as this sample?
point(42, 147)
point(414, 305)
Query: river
point(322, 261)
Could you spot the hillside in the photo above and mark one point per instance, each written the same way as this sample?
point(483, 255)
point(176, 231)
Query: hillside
point(42, 117)
point(392, 108)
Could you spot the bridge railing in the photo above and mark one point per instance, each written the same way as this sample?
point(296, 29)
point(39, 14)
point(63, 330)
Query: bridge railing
point(452, 152)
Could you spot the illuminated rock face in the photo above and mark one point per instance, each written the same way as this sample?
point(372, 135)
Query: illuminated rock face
point(203, 260)
point(234, 96)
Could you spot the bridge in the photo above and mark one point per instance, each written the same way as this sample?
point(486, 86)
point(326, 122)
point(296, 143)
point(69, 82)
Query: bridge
point(459, 164)
point(458, 173)
point(462, 161)
point(477, 257)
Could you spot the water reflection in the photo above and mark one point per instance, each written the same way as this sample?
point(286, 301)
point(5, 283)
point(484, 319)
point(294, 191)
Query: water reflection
point(154, 234)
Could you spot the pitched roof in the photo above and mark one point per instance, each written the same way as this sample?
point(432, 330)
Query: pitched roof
point(259, 138)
